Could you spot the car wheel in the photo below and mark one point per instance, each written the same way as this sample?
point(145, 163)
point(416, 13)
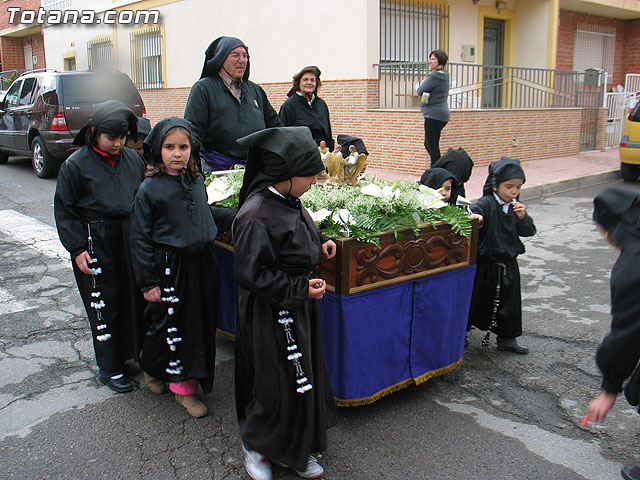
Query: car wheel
point(4, 158)
point(630, 173)
point(44, 164)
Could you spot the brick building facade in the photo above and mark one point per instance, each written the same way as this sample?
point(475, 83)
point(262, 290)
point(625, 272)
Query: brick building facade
point(15, 37)
point(395, 138)
point(627, 43)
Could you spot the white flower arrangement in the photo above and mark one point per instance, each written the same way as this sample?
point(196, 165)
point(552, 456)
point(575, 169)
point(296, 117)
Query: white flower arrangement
point(366, 210)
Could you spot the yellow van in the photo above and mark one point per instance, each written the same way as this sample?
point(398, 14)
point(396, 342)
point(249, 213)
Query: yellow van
point(630, 146)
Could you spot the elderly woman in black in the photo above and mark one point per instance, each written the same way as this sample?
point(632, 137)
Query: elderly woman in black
point(304, 108)
point(284, 400)
point(225, 105)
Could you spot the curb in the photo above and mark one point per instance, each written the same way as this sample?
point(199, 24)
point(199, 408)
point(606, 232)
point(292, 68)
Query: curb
point(531, 192)
point(567, 185)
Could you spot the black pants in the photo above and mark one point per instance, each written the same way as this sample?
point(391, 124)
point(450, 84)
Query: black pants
point(432, 130)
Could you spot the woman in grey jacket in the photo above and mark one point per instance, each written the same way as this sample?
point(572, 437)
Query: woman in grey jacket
point(434, 100)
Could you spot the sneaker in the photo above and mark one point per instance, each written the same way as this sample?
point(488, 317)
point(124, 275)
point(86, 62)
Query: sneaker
point(313, 470)
point(258, 467)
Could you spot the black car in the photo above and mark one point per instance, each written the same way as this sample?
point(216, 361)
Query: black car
point(43, 110)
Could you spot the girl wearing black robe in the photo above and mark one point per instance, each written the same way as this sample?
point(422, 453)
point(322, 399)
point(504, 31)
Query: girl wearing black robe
point(617, 213)
point(172, 235)
point(284, 400)
point(496, 304)
point(92, 204)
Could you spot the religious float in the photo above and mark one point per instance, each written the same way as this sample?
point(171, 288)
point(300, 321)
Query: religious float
point(398, 290)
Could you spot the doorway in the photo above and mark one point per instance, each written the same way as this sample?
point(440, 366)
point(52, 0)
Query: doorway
point(492, 61)
point(28, 57)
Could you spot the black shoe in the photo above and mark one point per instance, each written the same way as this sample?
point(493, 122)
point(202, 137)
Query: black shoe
point(514, 349)
point(630, 473)
point(120, 385)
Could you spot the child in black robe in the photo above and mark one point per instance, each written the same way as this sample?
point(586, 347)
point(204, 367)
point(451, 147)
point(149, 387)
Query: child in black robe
point(439, 178)
point(459, 163)
point(284, 400)
point(617, 215)
point(172, 235)
point(92, 204)
point(496, 301)
point(144, 127)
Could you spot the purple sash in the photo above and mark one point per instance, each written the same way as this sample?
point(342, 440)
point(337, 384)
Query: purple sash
point(218, 161)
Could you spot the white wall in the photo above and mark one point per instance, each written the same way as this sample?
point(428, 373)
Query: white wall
point(340, 37)
point(463, 29)
point(281, 35)
point(531, 34)
point(62, 39)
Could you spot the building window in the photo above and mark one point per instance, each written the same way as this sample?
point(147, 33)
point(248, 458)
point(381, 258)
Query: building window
point(594, 47)
point(146, 58)
point(70, 64)
point(410, 30)
point(100, 53)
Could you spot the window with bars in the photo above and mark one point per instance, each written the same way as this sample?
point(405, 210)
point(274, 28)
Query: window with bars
point(410, 29)
point(146, 58)
point(100, 53)
point(594, 47)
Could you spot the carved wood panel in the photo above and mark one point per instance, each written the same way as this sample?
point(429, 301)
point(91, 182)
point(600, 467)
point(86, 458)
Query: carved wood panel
point(410, 257)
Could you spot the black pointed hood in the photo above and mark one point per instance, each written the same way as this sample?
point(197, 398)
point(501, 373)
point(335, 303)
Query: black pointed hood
point(435, 177)
point(618, 211)
point(457, 162)
point(278, 154)
point(112, 116)
point(504, 169)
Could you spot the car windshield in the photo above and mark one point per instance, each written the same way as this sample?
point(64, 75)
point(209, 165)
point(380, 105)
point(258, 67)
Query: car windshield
point(83, 89)
point(634, 116)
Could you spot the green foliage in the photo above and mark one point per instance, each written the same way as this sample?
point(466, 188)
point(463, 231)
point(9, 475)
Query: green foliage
point(400, 205)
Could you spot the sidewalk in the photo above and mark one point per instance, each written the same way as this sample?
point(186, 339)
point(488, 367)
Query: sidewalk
point(544, 177)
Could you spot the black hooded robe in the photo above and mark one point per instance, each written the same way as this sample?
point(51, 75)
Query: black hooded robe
point(296, 111)
point(172, 235)
point(499, 242)
point(618, 211)
point(279, 249)
point(277, 246)
point(90, 191)
point(460, 165)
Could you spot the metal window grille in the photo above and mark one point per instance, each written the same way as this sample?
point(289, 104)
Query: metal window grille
point(594, 47)
point(146, 58)
point(100, 53)
point(411, 29)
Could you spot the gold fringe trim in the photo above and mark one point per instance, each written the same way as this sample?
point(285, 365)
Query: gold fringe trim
point(228, 335)
point(436, 373)
point(356, 402)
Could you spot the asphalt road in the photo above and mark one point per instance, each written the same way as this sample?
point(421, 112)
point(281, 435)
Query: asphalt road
point(497, 416)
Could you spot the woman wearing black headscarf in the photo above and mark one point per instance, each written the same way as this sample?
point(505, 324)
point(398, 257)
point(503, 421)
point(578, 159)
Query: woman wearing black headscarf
point(284, 400)
point(617, 214)
point(305, 109)
point(225, 105)
point(92, 204)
